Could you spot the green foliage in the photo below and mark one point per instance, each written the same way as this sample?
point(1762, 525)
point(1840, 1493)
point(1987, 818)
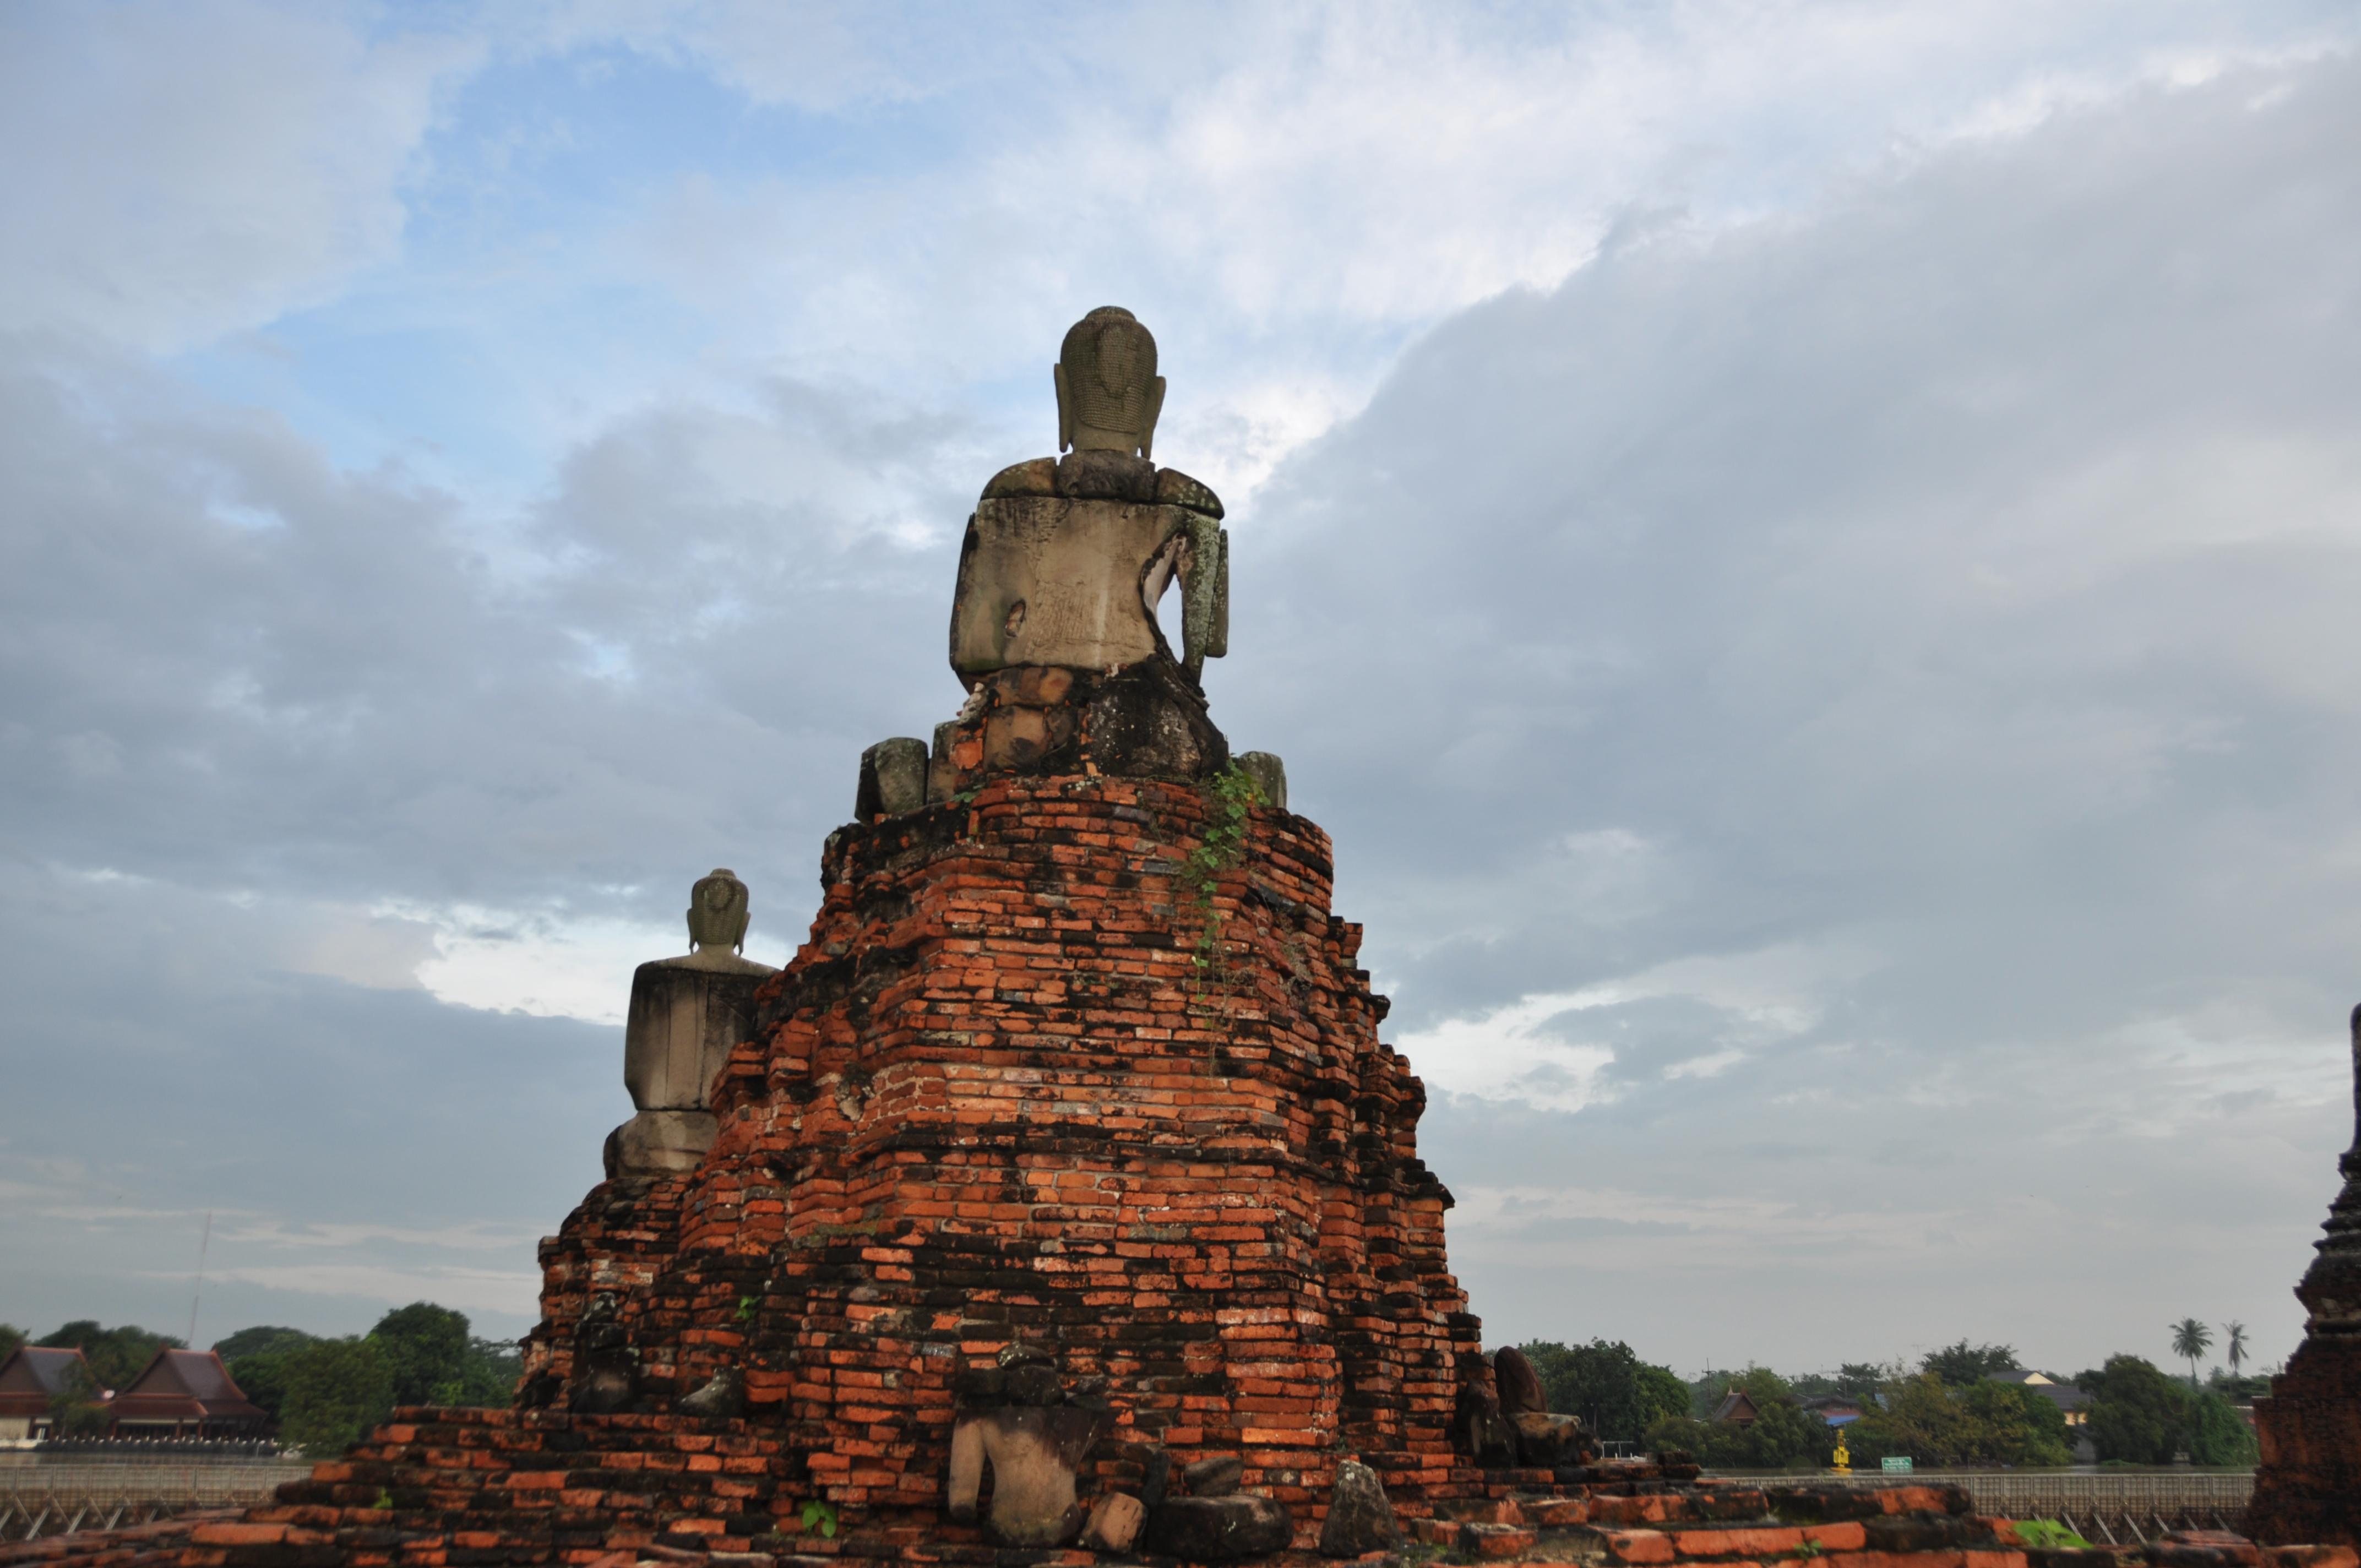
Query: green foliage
point(336, 1390)
point(1963, 1364)
point(1660, 1392)
point(11, 1336)
point(261, 1376)
point(1230, 797)
point(2236, 1387)
point(2218, 1434)
point(2050, 1535)
point(1784, 1437)
point(1922, 1418)
point(425, 1348)
point(77, 1408)
point(2137, 1415)
point(116, 1355)
point(1617, 1395)
point(819, 1516)
point(259, 1341)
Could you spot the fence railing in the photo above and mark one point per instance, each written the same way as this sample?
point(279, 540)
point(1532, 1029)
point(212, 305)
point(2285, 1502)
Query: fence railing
point(39, 1501)
point(2115, 1508)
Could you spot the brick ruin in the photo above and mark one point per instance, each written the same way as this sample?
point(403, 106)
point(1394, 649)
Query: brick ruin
point(1058, 1202)
point(2309, 1485)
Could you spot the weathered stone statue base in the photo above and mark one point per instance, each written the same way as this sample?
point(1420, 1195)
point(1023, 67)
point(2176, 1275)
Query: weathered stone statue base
point(657, 1143)
point(1147, 720)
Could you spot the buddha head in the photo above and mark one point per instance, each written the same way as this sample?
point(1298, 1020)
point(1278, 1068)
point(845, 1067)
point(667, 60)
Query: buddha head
point(716, 911)
point(1108, 391)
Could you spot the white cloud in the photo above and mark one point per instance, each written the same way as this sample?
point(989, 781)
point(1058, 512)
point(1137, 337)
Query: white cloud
point(177, 171)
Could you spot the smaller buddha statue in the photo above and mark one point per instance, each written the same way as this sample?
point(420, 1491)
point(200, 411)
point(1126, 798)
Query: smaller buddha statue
point(687, 1015)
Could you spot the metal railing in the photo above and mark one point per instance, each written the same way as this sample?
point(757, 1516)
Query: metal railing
point(37, 1500)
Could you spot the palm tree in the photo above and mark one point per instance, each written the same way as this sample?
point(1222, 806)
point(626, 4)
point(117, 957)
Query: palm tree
point(2190, 1339)
point(2236, 1348)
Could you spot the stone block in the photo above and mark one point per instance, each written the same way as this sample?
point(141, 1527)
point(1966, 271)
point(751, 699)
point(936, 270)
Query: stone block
point(1218, 1529)
point(1359, 1518)
point(1215, 1477)
point(1268, 773)
point(893, 779)
point(1514, 1381)
point(1113, 1523)
point(657, 1143)
point(1495, 1542)
point(1545, 1441)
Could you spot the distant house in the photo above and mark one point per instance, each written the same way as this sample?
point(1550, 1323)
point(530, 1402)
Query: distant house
point(1837, 1410)
point(185, 1393)
point(31, 1380)
point(1735, 1407)
point(2068, 1398)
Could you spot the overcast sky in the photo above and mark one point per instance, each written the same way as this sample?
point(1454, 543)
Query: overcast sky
point(1805, 554)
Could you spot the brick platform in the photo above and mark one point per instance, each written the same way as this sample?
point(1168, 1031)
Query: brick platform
point(1030, 1081)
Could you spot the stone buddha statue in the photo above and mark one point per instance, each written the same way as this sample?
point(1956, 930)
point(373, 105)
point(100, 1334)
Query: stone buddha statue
point(687, 1013)
point(1054, 627)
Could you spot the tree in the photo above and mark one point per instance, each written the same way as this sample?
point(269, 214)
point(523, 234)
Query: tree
point(1617, 1395)
point(1861, 1380)
point(425, 1352)
point(2236, 1347)
point(78, 1408)
point(116, 1355)
point(2137, 1414)
point(11, 1337)
point(1963, 1364)
point(336, 1390)
point(2190, 1339)
point(259, 1341)
point(2218, 1434)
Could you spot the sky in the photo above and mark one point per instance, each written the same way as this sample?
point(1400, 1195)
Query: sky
point(1803, 552)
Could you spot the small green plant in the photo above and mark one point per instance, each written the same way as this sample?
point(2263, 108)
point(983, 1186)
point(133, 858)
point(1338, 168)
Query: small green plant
point(746, 1305)
point(384, 1499)
point(1808, 1550)
point(820, 1516)
point(1229, 796)
point(2050, 1535)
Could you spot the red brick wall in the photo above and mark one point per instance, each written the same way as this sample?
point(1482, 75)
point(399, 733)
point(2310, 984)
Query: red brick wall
point(1010, 1090)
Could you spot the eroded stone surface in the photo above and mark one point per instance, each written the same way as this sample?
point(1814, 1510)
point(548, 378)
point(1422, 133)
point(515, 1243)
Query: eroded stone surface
point(1218, 1529)
point(1359, 1518)
point(1033, 1452)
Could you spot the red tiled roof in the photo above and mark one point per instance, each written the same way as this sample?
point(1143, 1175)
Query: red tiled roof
point(184, 1386)
point(32, 1376)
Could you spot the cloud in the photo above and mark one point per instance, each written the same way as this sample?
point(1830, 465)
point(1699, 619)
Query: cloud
point(178, 171)
point(1855, 707)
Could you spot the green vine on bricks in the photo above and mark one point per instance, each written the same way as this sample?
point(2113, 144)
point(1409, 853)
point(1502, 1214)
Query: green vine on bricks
point(1230, 795)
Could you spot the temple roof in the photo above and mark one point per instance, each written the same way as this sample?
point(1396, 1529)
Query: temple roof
point(184, 1386)
point(33, 1376)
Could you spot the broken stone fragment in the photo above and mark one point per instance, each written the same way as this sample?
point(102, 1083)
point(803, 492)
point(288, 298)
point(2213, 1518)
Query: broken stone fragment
point(723, 1398)
point(1214, 1477)
point(1269, 775)
point(1175, 488)
point(1113, 1523)
point(1517, 1384)
point(1218, 1529)
point(893, 779)
point(1033, 1454)
point(655, 1142)
point(1545, 1442)
point(1359, 1518)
